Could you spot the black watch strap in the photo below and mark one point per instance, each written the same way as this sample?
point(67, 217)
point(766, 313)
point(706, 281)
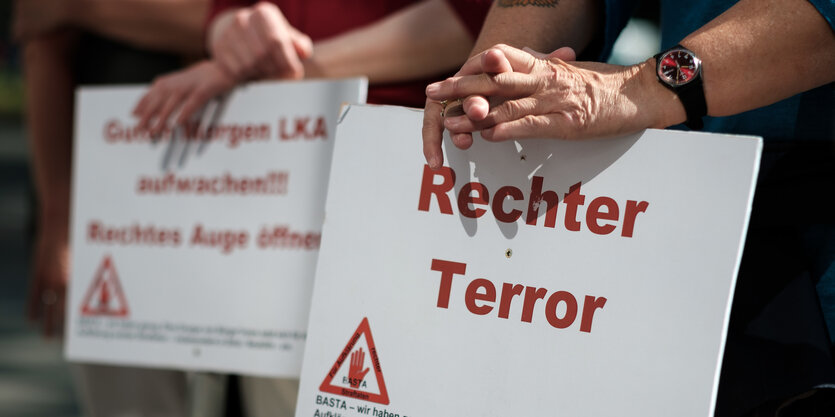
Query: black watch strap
point(691, 95)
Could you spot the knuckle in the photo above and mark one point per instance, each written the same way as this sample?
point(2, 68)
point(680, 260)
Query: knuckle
point(241, 18)
point(263, 7)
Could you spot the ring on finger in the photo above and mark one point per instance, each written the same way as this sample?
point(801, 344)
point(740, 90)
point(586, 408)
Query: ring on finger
point(456, 105)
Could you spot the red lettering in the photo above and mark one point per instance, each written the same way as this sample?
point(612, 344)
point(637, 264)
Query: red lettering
point(472, 295)
point(572, 199)
point(321, 129)
point(633, 208)
point(593, 215)
point(447, 269)
point(508, 292)
point(465, 199)
point(428, 187)
point(532, 295)
point(536, 198)
point(499, 198)
point(570, 309)
point(590, 305)
point(480, 295)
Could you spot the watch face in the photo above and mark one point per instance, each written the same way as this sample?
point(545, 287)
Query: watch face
point(678, 67)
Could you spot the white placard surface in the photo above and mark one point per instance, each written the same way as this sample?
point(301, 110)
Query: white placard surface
point(196, 250)
point(539, 277)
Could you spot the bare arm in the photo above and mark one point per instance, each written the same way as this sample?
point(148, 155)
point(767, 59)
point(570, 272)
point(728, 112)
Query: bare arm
point(762, 51)
point(49, 109)
point(418, 41)
point(167, 25)
point(756, 53)
point(546, 26)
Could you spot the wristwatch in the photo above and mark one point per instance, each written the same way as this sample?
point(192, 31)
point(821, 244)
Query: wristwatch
point(680, 70)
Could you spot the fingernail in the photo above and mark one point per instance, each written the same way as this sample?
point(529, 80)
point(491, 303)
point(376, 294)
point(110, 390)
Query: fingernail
point(432, 89)
point(434, 163)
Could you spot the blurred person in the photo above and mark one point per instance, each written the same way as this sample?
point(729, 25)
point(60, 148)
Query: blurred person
point(757, 67)
point(398, 44)
point(66, 43)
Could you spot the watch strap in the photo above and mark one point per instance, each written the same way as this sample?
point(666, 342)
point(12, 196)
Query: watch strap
point(691, 95)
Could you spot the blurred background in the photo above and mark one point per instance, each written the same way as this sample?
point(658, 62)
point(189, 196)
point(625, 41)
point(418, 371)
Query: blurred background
point(34, 380)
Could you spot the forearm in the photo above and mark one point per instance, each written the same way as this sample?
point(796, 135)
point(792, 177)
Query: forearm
point(762, 51)
point(49, 108)
point(416, 42)
point(544, 27)
point(168, 25)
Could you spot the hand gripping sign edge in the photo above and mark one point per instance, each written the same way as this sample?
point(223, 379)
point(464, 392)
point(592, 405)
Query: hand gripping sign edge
point(328, 387)
point(99, 283)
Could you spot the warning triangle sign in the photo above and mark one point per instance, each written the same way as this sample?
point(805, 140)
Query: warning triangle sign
point(105, 296)
point(349, 375)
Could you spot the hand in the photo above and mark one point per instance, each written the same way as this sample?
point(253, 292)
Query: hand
point(48, 285)
point(476, 107)
point(184, 92)
point(355, 372)
point(37, 17)
point(258, 42)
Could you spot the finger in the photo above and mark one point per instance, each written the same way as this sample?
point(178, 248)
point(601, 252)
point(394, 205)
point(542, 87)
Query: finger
point(230, 53)
point(500, 58)
point(476, 107)
point(492, 60)
point(433, 129)
point(505, 112)
point(462, 140)
point(274, 29)
point(506, 84)
point(564, 54)
point(540, 126)
point(495, 61)
point(171, 104)
point(302, 43)
point(258, 59)
point(194, 102)
point(150, 104)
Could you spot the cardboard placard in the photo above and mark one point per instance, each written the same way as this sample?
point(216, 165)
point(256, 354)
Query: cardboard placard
point(196, 250)
point(578, 278)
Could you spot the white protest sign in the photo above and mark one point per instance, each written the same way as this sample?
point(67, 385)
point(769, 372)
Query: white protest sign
point(197, 250)
point(585, 279)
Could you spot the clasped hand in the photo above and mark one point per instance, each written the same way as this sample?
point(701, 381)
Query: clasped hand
point(509, 93)
point(249, 43)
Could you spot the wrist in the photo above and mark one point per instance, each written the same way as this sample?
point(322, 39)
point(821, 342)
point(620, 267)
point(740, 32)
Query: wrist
point(216, 28)
point(662, 106)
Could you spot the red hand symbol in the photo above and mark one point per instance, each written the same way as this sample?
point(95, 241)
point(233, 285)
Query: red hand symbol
point(355, 375)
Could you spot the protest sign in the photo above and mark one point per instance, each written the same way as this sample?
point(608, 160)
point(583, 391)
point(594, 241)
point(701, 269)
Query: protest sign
point(578, 278)
point(196, 250)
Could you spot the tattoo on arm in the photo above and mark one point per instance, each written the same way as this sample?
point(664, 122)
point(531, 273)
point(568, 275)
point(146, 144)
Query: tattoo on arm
point(522, 3)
